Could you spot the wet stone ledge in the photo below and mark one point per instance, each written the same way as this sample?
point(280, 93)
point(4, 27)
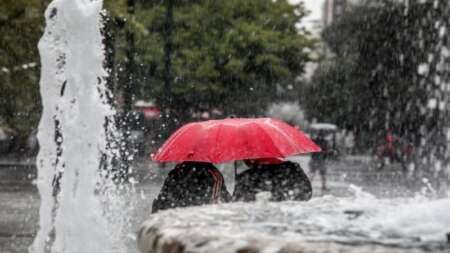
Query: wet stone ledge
point(287, 227)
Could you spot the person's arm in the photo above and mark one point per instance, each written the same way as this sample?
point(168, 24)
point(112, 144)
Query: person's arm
point(224, 195)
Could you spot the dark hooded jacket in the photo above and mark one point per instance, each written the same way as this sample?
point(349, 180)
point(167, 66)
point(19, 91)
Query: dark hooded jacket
point(324, 146)
point(191, 184)
point(285, 181)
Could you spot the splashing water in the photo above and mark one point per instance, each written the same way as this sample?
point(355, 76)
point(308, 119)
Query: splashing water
point(362, 219)
point(71, 134)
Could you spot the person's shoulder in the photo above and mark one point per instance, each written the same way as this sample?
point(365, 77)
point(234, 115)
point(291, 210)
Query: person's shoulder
point(211, 167)
point(290, 164)
point(180, 170)
point(213, 171)
point(188, 166)
point(292, 167)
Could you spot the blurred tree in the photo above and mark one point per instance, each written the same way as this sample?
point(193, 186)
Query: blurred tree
point(330, 97)
point(230, 55)
point(372, 83)
point(21, 25)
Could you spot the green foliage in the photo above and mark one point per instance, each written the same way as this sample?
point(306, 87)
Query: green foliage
point(331, 97)
point(21, 25)
point(230, 55)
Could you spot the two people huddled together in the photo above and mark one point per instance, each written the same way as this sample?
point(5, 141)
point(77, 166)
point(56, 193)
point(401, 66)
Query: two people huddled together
point(199, 183)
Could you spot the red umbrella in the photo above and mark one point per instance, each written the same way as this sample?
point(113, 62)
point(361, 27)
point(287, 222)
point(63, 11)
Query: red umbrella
point(218, 141)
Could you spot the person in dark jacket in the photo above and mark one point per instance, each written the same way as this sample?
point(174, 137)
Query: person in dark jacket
point(284, 180)
point(319, 160)
point(191, 184)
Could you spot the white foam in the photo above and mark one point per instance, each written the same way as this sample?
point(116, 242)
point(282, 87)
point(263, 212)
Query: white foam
point(361, 219)
point(73, 94)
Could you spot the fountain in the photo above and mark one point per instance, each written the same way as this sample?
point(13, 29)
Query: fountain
point(72, 133)
point(358, 223)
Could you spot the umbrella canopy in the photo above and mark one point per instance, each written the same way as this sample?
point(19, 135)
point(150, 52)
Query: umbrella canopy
point(218, 141)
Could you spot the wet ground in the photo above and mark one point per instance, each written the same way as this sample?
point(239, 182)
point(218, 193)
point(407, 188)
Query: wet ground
point(19, 215)
point(19, 199)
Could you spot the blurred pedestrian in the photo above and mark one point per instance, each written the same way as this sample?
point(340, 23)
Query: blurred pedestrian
point(191, 184)
point(318, 161)
point(388, 151)
point(349, 142)
point(283, 179)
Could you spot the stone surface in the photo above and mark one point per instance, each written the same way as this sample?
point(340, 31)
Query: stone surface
point(286, 227)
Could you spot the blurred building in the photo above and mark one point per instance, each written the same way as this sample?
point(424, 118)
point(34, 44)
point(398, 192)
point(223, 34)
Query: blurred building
point(313, 21)
point(333, 10)
point(323, 14)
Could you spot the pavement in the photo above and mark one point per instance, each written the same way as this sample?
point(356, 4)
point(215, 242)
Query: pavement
point(19, 198)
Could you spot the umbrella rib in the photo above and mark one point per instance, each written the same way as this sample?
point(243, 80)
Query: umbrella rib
point(176, 134)
point(270, 139)
point(217, 138)
point(270, 124)
point(173, 138)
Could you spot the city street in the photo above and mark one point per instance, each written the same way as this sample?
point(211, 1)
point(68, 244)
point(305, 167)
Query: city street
point(19, 199)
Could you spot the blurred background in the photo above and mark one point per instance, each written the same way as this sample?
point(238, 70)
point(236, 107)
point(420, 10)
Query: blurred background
point(374, 70)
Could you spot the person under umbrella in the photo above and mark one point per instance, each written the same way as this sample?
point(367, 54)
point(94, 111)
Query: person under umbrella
point(285, 180)
point(318, 160)
point(191, 184)
point(218, 141)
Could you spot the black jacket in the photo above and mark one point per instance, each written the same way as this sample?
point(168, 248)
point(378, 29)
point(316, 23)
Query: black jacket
point(324, 146)
point(191, 184)
point(285, 181)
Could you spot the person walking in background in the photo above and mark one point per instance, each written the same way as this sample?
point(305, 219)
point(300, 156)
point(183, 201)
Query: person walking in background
point(284, 180)
point(191, 184)
point(349, 142)
point(319, 160)
point(389, 151)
